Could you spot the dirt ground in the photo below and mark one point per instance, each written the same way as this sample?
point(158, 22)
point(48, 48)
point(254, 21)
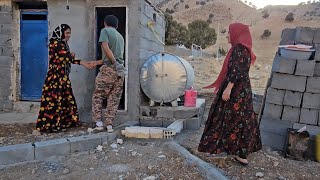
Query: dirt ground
point(134, 159)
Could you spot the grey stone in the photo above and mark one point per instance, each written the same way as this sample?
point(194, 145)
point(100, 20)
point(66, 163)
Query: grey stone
point(5, 9)
point(114, 135)
point(192, 123)
point(16, 153)
point(317, 53)
point(275, 126)
point(275, 96)
point(289, 82)
point(313, 130)
point(6, 104)
point(317, 70)
point(316, 38)
point(272, 140)
point(311, 101)
point(84, 143)
point(5, 18)
point(288, 35)
point(305, 68)
point(166, 123)
point(291, 114)
point(182, 112)
point(6, 29)
point(282, 65)
point(292, 98)
point(272, 111)
point(304, 35)
point(6, 61)
point(309, 116)
point(5, 40)
point(313, 85)
point(52, 148)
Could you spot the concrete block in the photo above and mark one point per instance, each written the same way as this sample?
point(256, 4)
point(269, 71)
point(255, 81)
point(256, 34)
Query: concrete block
point(182, 112)
point(283, 65)
point(291, 114)
point(166, 123)
point(16, 153)
point(6, 61)
point(313, 85)
point(316, 38)
point(6, 104)
point(317, 70)
point(275, 96)
point(6, 29)
point(192, 123)
point(52, 148)
point(84, 143)
point(317, 53)
point(5, 40)
point(292, 98)
point(288, 35)
point(275, 126)
point(304, 35)
point(5, 18)
point(272, 111)
point(272, 140)
point(305, 68)
point(6, 51)
point(165, 112)
point(150, 123)
point(309, 116)
point(289, 82)
point(156, 133)
point(311, 101)
point(313, 130)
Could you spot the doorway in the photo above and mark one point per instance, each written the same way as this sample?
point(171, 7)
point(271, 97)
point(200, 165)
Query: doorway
point(34, 53)
point(121, 14)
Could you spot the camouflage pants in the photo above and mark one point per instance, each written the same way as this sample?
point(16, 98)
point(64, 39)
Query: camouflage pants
point(108, 86)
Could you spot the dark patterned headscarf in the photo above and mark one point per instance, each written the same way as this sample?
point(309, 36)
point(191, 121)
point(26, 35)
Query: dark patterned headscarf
point(58, 33)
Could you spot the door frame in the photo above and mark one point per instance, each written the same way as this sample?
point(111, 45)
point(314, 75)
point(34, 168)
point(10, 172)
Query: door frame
point(23, 12)
point(126, 47)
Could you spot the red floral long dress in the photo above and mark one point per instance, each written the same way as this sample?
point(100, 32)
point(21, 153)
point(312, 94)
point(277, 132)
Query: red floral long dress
point(58, 108)
point(232, 126)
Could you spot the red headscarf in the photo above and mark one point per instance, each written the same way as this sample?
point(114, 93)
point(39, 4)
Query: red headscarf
point(239, 33)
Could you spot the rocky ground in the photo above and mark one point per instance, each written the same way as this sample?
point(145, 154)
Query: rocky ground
point(134, 159)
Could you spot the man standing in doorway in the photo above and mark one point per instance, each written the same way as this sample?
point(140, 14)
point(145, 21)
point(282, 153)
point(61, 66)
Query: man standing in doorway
point(109, 81)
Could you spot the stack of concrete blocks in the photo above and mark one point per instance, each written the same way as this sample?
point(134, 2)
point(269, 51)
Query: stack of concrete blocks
point(164, 116)
point(293, 94)
point(6, 55)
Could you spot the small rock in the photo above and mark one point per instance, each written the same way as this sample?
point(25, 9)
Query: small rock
point(150, 178)
point(119, 141)
point(114, 146)
point(281, 178)
point(36, 133)
point(49, 171)
point(105, 158)
point(243, 170)
point(115, 150)
point(259, 174)
point(162, 156)
point(134, 153)
point(90, 130)
point(91, 168)
point(99, 148)
point(150, 167)
point(275, 164)
point(66, 171)
point(33, 171)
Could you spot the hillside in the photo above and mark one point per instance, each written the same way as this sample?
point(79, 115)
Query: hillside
point(225, 12)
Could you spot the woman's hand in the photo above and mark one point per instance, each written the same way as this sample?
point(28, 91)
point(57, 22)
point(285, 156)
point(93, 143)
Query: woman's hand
point(73, 54)
point(226, 94)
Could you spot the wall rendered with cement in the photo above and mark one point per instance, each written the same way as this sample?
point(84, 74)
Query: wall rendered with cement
point(77, 18)
point(6, 55)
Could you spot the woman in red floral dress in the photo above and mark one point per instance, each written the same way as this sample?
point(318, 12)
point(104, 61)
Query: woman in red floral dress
point(58, 108)
point(232, 125)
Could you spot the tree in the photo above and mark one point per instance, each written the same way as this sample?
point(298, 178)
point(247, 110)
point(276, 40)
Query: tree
point(289, 17)
point(186, 6)
point(211, 16)
point(250, 3)
point(265, 14)
point(201, 34)
point(202, 3)
point(266, 34)
point(176, 33)
point(170, 11)
point(197, 3)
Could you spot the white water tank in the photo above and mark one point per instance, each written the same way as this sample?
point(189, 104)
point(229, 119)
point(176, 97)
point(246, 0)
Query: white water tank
point(165, 77)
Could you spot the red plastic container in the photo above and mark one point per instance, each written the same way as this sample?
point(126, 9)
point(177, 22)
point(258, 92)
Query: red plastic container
point(190, 98)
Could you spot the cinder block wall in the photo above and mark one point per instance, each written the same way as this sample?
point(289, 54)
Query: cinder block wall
point(6, 54)
point(293, 97)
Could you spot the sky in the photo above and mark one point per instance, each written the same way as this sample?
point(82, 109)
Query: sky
point(263, 3)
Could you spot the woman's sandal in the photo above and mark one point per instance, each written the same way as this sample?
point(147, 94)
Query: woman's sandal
point(240, 162)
